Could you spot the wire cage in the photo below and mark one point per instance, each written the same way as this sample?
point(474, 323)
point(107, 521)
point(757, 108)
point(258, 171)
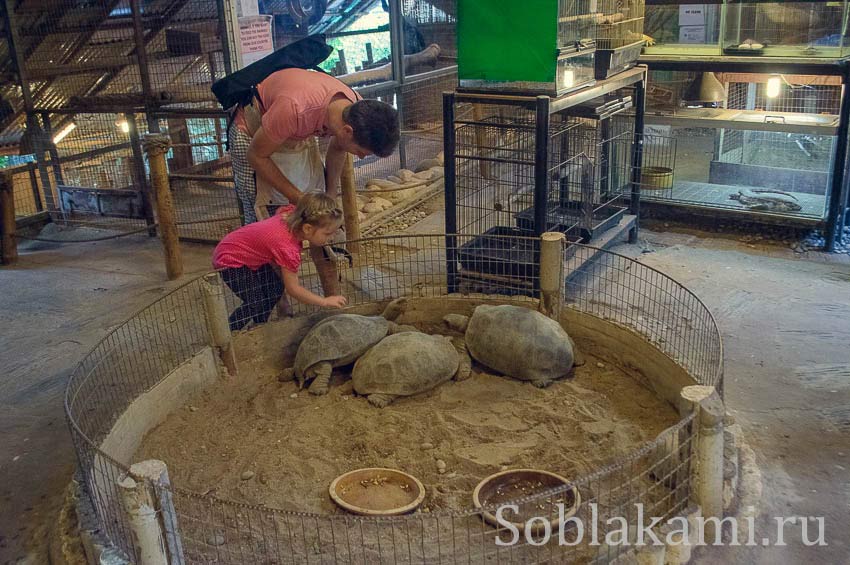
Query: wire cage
point(619, 35)
point(766, 151)
point(138, 357)
point(517, 169)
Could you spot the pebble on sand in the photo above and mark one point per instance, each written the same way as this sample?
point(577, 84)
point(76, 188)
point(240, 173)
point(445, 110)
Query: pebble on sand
point(247, 475)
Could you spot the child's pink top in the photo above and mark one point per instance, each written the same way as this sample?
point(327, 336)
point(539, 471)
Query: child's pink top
point(260, 243)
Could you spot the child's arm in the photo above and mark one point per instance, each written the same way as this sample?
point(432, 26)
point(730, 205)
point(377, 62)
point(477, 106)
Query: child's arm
point(301, 294)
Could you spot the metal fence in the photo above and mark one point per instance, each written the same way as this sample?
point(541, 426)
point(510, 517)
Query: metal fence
point(141, 352)
point(95, 78)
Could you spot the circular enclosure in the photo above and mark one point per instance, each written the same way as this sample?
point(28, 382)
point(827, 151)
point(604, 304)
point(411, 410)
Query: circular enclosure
point(377, 492)
point(645, 330)
point(545, 490)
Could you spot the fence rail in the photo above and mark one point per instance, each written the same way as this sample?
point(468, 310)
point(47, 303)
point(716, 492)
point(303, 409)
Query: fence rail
point(140, 353)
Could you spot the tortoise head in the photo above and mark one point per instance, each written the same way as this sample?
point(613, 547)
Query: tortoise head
point(395, 309)
point(456, 322)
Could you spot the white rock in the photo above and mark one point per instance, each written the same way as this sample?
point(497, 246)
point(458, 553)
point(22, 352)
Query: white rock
point(215, 539)
point(404, 174)
point(424, 175)
point(382, 202)
point(441, 464)
point(247, 475)
point(381, 183)
point(427, 164)
point(372, 208)
point(441, 158)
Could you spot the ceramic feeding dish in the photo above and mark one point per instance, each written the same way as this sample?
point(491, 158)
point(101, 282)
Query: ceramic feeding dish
point(517, 484)
point(377, 491)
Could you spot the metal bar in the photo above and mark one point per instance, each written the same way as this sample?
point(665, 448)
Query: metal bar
point(15, 56)
point(449, 180)
point(732, 64)
point(142, 61)
point(637, 159)
point(541, 168)
point(221, 8)
point(397, 58)
point(51, 148)
point(94, 152)
point(219, 134)
point(836, 202)
point(36, 195)
point(139, 175)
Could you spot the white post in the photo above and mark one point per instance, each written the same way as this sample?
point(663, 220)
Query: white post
point(219, 326)
point(707, 470)
point(148, 488)
point(140, 507)
point(551, 273)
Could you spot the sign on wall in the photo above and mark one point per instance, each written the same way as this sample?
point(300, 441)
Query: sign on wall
point(255, 38)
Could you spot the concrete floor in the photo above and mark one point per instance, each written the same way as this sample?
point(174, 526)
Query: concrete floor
point(785, 320)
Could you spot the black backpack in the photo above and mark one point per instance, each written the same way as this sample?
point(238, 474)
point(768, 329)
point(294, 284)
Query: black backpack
point(240, 87)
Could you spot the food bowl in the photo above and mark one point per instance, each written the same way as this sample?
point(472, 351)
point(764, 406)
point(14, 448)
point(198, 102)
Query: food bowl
point(518, 484)
point(376, 491)
point(656, 178)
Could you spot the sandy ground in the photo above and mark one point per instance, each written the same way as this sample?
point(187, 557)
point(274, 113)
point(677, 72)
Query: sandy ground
point(294, 444)
point(785, 318)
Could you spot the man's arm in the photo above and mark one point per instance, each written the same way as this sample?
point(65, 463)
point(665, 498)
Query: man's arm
point(259, 157)
point(334, 160)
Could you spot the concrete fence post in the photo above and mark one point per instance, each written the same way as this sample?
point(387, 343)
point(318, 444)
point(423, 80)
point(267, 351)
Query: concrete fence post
point(149, 507)
point(707, 468)
point(8, 244)
point(217, 320)
point(551, 273)
point(156, 146)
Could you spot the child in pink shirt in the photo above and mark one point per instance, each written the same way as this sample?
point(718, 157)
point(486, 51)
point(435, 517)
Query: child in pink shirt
point(247, 258)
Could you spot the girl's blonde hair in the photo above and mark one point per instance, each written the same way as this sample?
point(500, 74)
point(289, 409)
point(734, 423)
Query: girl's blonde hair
point(316, 209)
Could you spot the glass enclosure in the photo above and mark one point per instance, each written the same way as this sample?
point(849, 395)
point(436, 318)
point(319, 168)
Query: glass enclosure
point(767, 148)
point(505, 45)
point(814, 29)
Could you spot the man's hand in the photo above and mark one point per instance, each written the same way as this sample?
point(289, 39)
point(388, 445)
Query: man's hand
point(334, 302)
point(259, 157)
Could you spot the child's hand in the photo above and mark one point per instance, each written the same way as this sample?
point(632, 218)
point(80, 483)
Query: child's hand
point(334, 302)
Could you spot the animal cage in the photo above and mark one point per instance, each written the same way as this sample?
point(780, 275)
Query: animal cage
point(619, 35)
point(520, 166)
point(505, 46)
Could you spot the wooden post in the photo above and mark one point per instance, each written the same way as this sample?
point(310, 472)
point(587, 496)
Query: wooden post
point(217, 321)
point(156, 146)
point(481, 139)
point(551, 273)
point(707, 467)
point(9, 245)
point(349, 204)
point(178, 130)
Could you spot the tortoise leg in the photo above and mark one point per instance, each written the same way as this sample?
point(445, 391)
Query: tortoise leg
point(464, 367)
point(287, 375)
point(578, 358)
point(542, 383)
point(400, 328)
point(381, 400)
point(322, 380)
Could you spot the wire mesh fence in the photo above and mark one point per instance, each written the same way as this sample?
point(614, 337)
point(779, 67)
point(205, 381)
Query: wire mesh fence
point(108, 74)
point(139, 354)
point(498, 151)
